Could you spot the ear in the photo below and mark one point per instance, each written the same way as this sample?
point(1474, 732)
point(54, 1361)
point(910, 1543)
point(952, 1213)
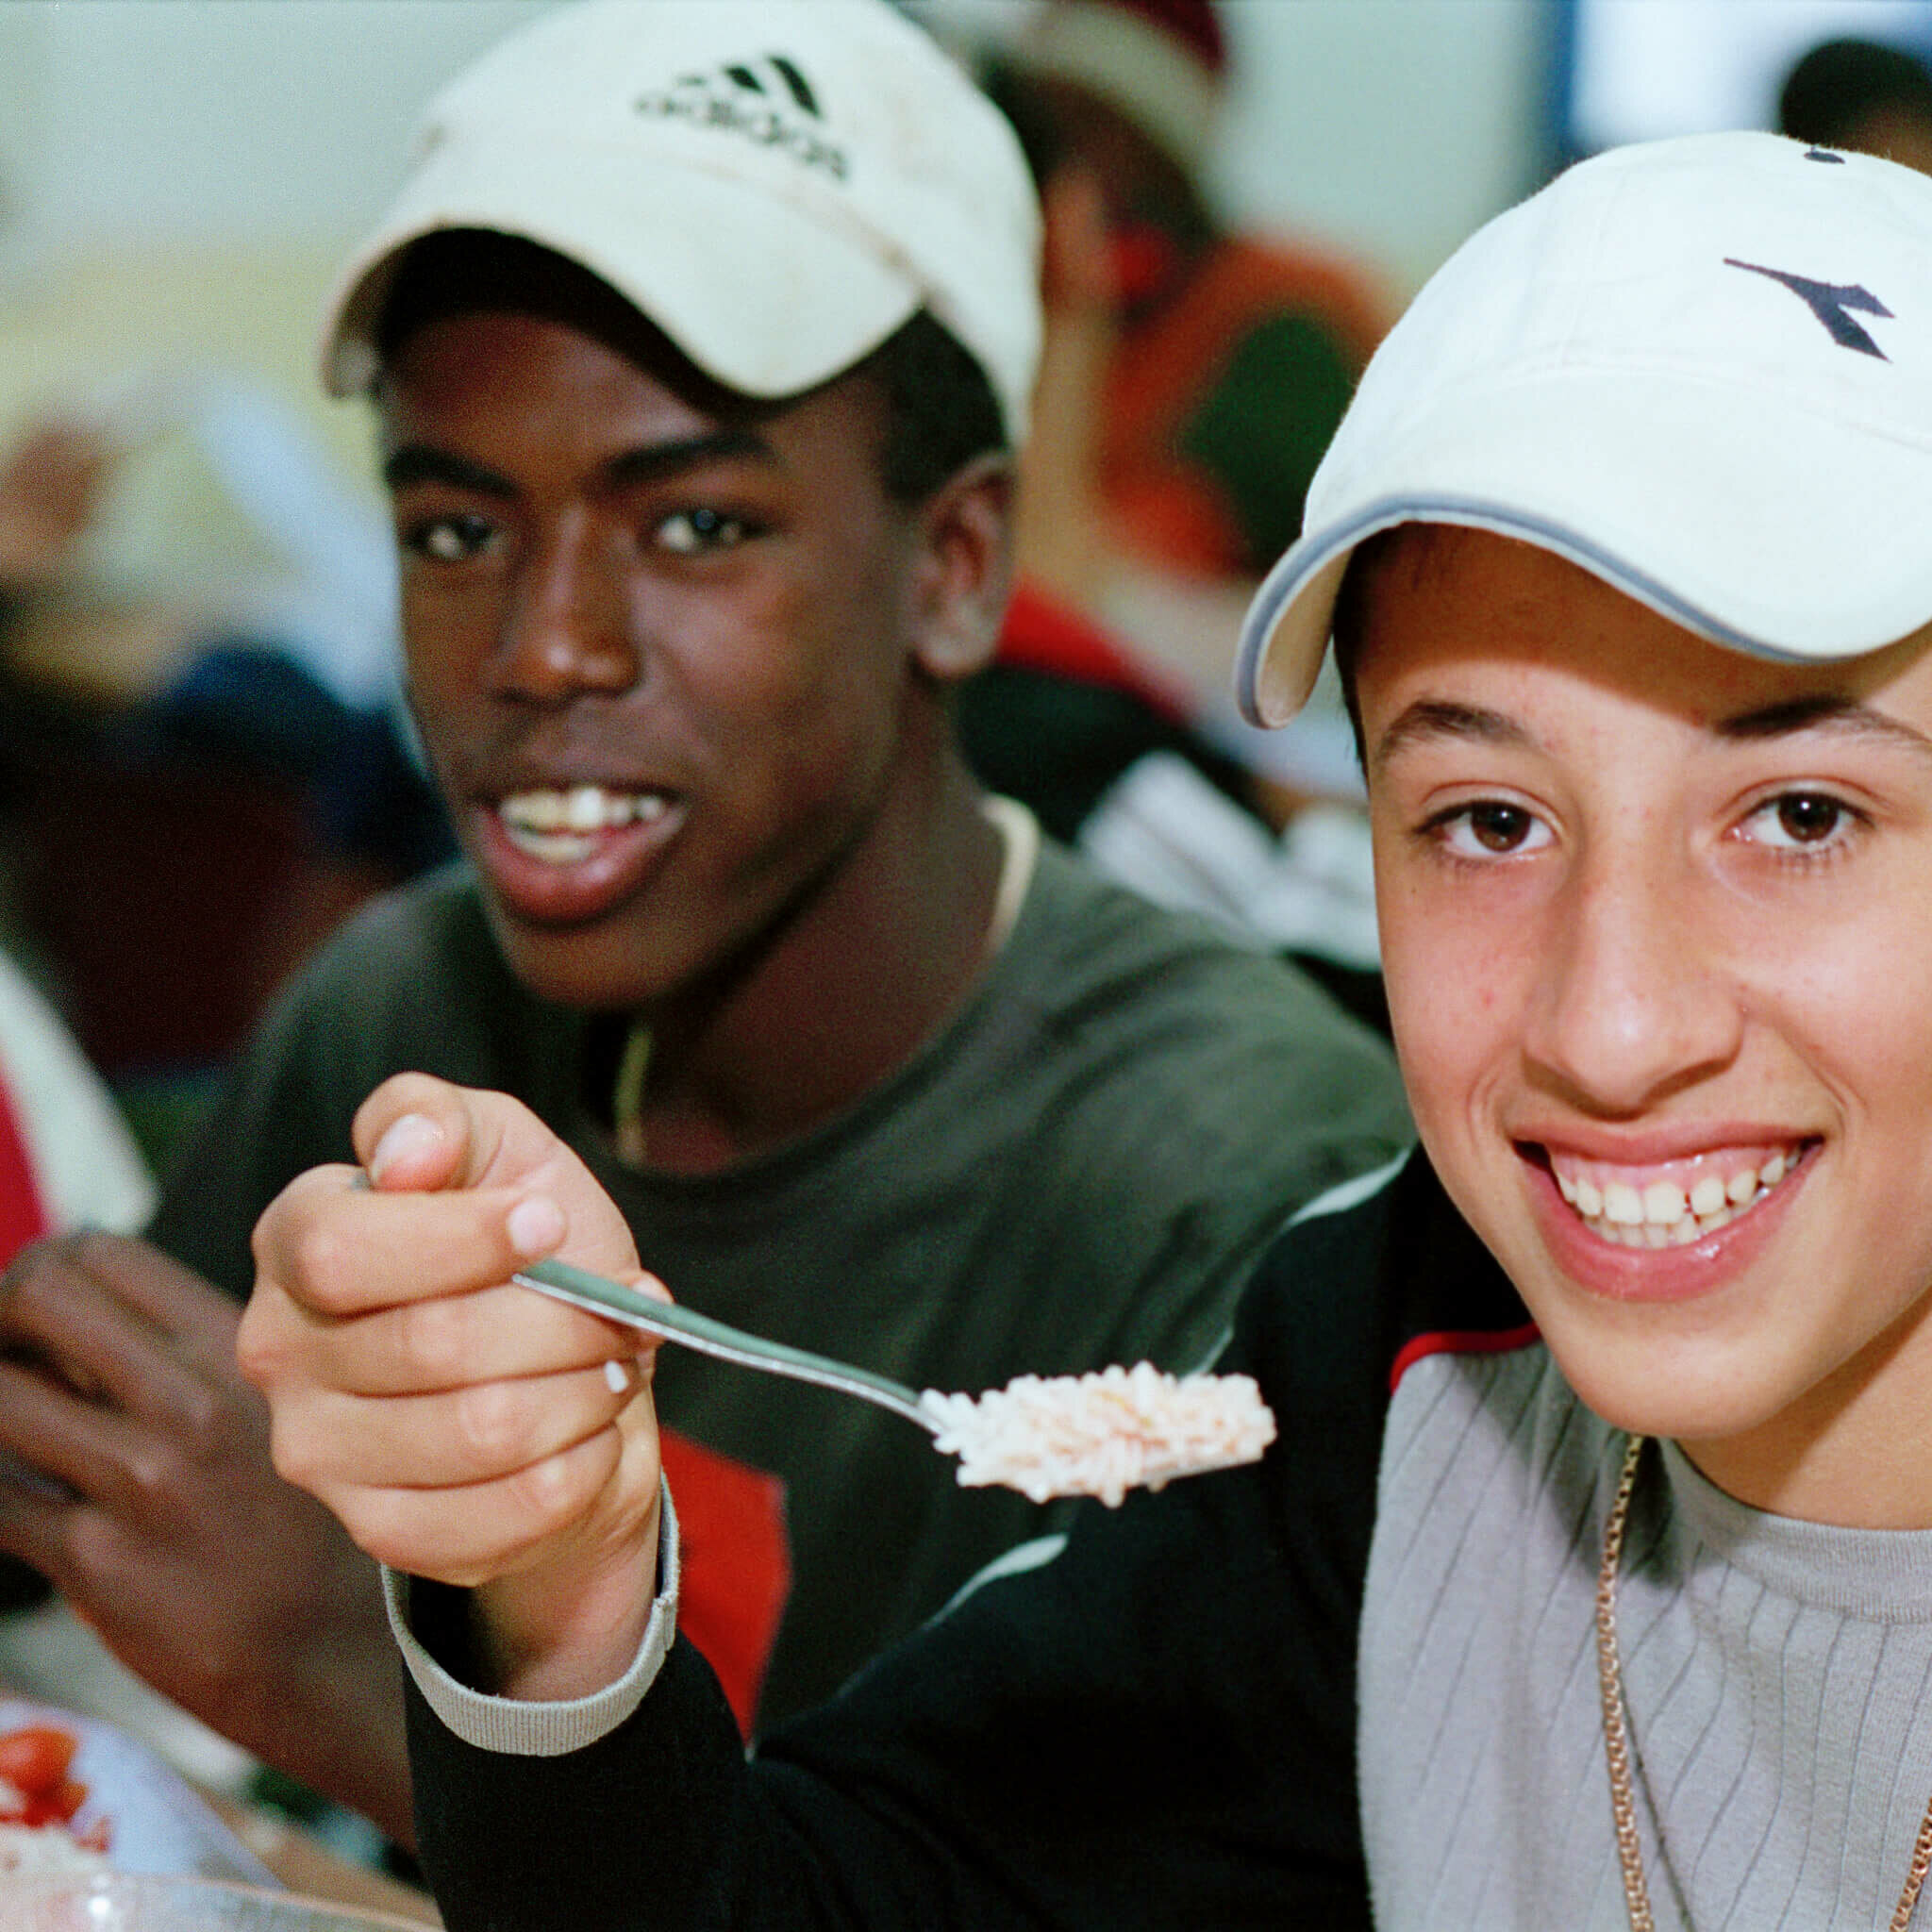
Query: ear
point(963, 570)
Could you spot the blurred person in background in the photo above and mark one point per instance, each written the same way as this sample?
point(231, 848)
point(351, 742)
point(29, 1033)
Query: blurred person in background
point(199, 779)
point(1191, 377)
point(700, 346)
point(1232, 356)
point(1866, 95)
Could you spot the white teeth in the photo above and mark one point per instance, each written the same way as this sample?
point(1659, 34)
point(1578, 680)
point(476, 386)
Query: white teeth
point(1622, 1204)
point(553, 848)
point(560, 826)
point(1664, 1205)
point(1661, 1213)
point(1707, 1196)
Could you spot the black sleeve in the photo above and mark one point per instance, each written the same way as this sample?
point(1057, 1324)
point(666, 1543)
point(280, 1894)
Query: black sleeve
point(1155, 1729)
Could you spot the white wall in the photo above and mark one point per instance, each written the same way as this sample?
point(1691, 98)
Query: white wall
point(1393, 127)
point(233, 120)
point(177, 178)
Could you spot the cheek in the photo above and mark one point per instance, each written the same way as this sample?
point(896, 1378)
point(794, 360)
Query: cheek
point(794, 686)
point(446, 636)
point(1460, 979)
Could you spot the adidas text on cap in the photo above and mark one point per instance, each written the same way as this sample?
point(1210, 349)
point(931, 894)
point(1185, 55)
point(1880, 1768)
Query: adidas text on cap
point(778, 185)
point(1700, 369)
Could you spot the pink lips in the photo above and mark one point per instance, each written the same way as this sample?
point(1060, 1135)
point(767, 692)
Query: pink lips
point(620, 862)
point(1697, 1268)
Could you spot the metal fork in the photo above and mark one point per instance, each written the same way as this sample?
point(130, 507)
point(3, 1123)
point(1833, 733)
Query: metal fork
point(582, 1289)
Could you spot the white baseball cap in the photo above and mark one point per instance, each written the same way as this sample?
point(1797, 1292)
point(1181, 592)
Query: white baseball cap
point(778, 185)
point(1700, 369)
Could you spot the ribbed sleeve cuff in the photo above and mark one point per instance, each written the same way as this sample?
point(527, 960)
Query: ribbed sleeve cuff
point(522, 1729)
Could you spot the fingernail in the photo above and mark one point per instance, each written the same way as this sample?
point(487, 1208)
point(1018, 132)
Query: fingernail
point(536, 1225)
point(413, 1134)
point(616, 1378)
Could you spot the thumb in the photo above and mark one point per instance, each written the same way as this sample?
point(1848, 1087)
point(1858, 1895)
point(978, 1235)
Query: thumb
point(414, 1134)
point(417, 1134)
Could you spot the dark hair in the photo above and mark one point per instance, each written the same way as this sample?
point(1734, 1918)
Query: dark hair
point(939, 408)
point(1421, 550)
point(1839, 83)
point(940, 411)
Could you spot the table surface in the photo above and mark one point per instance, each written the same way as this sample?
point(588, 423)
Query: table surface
point(306, 1865)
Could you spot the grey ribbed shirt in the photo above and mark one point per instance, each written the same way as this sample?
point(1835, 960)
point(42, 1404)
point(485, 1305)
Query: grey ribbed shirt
point(1778, 1675)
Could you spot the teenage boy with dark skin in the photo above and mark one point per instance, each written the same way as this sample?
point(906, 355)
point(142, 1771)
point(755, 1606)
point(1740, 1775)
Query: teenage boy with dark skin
point(1587, 1582)
point(681, 654)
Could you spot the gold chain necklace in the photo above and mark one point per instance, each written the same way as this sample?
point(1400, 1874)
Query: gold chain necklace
point(1609, 1679)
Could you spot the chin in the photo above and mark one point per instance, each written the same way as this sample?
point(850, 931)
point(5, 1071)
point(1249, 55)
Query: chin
point(580, 967)
point(1689, 1388)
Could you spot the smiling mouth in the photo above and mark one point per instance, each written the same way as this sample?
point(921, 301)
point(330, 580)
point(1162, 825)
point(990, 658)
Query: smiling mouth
point(1671, 1205)
point(565, 827)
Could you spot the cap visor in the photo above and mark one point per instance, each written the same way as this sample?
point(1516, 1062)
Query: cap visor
point(758, 291)
point(1772, 530)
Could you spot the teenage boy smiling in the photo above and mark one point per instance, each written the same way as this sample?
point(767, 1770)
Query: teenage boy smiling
point(1589, 1582)
point(699, 341)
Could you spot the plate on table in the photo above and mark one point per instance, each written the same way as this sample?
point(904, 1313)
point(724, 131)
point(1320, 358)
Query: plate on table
point(139, 1812)
point(153, 1904)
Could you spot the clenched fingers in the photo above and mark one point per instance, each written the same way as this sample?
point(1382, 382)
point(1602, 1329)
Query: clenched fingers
point(342, 1249)
point(498, 1511)
point(325, 1440)
point(415, 1133)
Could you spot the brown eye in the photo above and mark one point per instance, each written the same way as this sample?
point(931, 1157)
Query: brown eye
point(692, 532)
point(1811, 823)
point(1805, 817)
point(1499, 827)
point(450, 538)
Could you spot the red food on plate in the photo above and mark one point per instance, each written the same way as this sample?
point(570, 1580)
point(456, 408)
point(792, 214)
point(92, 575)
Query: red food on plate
point(35, 1788)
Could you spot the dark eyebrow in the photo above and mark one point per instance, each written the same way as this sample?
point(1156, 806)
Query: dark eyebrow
point(1431, 718)
point(1824, 712)
point(418, 462)
point(650, 461)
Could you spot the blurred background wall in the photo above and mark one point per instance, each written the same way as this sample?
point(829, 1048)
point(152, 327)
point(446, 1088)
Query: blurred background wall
point(177, 177)
point(177, 180)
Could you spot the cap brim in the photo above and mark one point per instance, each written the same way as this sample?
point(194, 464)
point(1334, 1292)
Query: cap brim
point(784, 301)
point(1775, 531)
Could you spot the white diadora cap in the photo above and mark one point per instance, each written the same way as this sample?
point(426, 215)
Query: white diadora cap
point(1700, 369)
point(778, 184)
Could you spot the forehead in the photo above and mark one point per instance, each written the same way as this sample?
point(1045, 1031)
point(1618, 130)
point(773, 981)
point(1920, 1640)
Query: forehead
point(1441, 608)
point(550, 387)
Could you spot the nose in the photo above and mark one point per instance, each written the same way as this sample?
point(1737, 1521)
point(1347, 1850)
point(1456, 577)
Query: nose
point(565, 628)
point(1636, 1001)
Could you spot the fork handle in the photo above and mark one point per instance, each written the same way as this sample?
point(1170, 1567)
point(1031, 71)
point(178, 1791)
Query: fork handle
point(671, 1323)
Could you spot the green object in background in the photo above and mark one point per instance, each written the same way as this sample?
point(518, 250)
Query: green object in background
point(1262, 430)
point(163, 1110)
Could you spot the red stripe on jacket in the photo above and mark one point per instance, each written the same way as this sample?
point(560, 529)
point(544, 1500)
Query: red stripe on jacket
point(1461, 1341)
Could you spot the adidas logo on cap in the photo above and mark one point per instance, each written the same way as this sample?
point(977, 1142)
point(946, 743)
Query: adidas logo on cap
point(767, 99)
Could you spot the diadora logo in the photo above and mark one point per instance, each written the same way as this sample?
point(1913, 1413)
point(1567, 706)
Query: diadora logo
point(766, 99)
point(1832, 303)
